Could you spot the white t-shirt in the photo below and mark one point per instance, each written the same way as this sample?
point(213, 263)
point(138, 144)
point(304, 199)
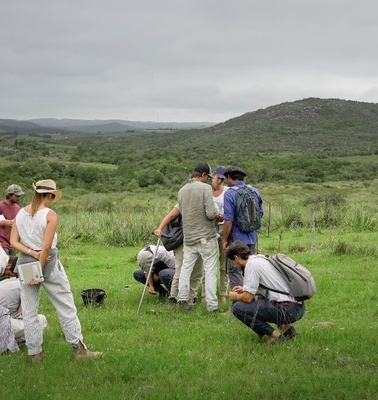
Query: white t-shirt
point(10, 294)
point(259, 271)
point(167, 257)
point(32, 228)
point(219, 202)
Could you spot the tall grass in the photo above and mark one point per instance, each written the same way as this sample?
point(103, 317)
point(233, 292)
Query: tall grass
point(125, 227)
point(294, 216)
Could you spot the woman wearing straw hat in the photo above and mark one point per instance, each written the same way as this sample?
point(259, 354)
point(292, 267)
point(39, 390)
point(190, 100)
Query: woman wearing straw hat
point(34, 236)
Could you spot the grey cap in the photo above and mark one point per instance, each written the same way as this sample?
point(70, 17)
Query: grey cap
point(15, 189)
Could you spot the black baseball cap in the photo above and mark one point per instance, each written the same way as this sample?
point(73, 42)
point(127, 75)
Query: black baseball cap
point(203, 168)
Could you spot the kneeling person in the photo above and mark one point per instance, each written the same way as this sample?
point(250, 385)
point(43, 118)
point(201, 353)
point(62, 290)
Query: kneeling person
point(276, 308)
point(162, 272)
point(10, 298)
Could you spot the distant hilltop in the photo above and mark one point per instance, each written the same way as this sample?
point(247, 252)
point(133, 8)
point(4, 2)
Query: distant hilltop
point(66, 125)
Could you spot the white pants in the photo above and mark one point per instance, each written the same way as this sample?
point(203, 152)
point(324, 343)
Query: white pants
point(195, 278)
point(208, 251)
point(59, 292)
point(18, 327)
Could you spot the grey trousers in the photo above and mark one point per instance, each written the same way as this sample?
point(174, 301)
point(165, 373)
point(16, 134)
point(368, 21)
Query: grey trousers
point(59, 292)
point(195, 278)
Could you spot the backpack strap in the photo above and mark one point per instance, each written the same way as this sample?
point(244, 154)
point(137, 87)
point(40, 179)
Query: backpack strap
point(278, 268)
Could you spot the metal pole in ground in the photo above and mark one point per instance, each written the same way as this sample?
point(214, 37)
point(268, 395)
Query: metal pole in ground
point(148, 275)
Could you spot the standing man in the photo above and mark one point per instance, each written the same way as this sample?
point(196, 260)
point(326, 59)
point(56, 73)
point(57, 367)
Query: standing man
point(218, 196)
point(198, 214)
point(231, 232)
point(8, 210)
point(196, 276)
point(276, 307)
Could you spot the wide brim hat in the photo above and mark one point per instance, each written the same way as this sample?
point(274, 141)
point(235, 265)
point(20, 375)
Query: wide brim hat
point(48, 186)
point(232, 170)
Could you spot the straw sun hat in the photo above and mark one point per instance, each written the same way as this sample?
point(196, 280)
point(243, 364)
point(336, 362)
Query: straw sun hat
point(48, 186)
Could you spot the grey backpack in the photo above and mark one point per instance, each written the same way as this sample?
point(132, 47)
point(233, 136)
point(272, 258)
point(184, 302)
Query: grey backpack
point(299, 279)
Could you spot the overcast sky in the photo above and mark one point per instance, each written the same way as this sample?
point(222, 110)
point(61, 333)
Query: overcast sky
point(182, 60)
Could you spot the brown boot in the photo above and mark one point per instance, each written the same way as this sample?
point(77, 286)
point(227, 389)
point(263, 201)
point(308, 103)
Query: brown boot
point(82, 352)
point(36, 358)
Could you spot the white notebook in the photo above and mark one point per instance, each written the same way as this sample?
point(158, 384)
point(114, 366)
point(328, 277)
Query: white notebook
point(29, 271)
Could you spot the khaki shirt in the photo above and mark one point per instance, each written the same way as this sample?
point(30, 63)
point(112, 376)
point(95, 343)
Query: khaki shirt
point(198, 211)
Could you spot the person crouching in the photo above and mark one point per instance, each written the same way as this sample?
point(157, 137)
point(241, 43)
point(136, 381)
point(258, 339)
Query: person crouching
point(274, 307)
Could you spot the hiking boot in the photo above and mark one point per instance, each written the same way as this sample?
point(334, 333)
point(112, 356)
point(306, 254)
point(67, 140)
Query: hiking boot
point(290, 333)
point(185, 306)
point(171, 301)
point(275, 341)
point(36, 358)
point(81, 352)
point(163, 294)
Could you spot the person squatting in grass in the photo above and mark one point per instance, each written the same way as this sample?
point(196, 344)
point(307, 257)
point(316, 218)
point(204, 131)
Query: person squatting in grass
point(34, 236)
point(276, 308)
point(10, 298)
point(162, 272)
point(195, 277)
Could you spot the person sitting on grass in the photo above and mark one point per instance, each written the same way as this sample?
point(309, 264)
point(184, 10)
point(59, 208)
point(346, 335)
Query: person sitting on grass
point(162, 272)
point(7, 265)
point(274, 307)
point(7, 339)
point(10, 298)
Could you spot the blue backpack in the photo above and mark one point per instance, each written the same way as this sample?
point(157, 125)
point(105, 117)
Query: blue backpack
point(247, 209)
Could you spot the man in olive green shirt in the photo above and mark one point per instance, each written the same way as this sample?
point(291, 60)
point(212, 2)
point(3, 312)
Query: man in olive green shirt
point(198, 214)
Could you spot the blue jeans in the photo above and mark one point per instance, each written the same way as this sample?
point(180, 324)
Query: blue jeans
point(165, 278)
point(258, 313)
point(235, 274)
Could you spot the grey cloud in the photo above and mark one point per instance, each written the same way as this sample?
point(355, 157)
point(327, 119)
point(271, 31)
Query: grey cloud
point(193, 60)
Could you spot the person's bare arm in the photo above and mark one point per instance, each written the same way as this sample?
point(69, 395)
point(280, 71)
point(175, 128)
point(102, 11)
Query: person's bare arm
point(242, 296)
point(227, 226)
point(175, 212)
point(52, 223)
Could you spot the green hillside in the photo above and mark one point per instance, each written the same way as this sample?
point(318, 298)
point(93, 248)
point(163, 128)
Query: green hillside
point(306, 141)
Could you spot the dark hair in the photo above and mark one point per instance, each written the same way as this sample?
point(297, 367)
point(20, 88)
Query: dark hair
point(236, 176)
point(238, 248)
point(12, 262)
point(196, 174)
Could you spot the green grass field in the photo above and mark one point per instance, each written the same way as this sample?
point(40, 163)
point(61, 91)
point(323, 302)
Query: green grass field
point(163, 353)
